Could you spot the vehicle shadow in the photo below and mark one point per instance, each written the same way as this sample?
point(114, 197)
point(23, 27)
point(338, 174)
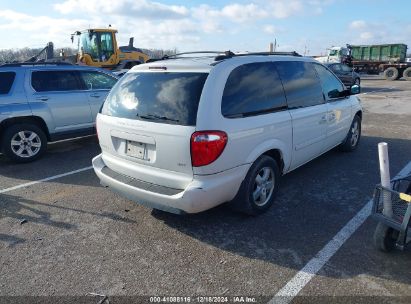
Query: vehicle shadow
point(23, 210)
point(313, 204)
point(20, 209)
point(12, 205)
point(10, 240)
point(60, 157)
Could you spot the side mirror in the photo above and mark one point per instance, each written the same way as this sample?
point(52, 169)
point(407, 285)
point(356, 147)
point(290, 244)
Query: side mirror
point(355, 89)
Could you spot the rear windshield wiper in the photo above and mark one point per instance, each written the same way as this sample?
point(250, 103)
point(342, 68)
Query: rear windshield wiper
point(156, 117)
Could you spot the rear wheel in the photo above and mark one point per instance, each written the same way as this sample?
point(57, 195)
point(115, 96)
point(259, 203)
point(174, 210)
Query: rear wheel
point(353, 137)
point(407, 74)
point(259, 188)
point(24, 143)
point(391, 73)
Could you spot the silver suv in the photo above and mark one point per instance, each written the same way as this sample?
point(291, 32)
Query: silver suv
point(188, 134)
point(48, 102)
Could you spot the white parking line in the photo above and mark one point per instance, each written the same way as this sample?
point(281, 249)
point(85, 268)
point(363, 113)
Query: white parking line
point(301, 279)
point(45, 179)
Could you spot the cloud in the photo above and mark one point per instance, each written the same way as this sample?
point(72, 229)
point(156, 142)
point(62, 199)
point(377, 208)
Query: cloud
point(39, 29)
point(271, 29)
point(243, 13)
point(367, 36)
point(137, 9)
point(357, 25)
point(284, 9)
point(374, 32)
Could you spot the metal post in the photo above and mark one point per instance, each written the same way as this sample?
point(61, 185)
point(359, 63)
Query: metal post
point(385, 177)
point(49, 51)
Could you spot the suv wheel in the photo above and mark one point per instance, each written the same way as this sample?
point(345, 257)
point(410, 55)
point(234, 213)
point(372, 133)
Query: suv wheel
point(24, 142)
point(353, 137)
point(259, 188)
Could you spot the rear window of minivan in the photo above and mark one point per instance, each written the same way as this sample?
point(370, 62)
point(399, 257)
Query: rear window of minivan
point(6, 81)
point(166, 97)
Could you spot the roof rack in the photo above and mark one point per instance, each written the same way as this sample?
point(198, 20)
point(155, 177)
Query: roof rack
point(18, 64)
point(190, 53)
point(226, 55)
point(179, 55)
point(222, 57)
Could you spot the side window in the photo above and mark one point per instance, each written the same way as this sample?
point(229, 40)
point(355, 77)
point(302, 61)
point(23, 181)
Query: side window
point(332, 86)
point(44, 81)
point(6, 82)
point(301, 84)
point(97, 80)
point(252, 89)
point(106, 46)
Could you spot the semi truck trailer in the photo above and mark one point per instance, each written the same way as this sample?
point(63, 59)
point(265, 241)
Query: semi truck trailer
point(390, 59)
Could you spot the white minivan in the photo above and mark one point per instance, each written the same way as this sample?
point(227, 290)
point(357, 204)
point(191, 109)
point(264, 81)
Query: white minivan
point(185, 134)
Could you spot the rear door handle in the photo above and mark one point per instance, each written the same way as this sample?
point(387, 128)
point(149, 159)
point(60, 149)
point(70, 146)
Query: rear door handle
point(95, 95)
point(42, 98)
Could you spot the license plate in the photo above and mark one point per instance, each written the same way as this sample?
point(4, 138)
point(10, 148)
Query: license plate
point(136, 149)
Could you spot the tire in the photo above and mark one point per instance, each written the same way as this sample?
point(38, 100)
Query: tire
point(31, 147)
point(391, 74)
point(385, 238)
point(247, 199)
point(407, 73)
point(353, 137)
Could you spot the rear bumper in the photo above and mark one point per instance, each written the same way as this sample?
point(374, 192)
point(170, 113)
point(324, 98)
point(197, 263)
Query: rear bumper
point(203, 193)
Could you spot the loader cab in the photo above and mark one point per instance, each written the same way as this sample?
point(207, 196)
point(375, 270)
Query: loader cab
point(97, 47)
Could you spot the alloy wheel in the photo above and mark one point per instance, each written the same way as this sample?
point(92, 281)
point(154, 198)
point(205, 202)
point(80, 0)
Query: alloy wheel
point(355, 134)
point(263, 186)
point(25, 144)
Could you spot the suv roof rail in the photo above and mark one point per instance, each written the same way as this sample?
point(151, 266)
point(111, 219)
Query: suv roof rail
point(293, 53)
point(19, 64)
point(179, 55)
point(190, 53)
point(225, 55)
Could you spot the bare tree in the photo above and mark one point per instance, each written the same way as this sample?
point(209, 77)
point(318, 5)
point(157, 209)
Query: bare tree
point(23, 54)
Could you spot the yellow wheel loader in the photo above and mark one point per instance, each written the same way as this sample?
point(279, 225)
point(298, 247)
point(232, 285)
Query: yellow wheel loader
point(99, 48)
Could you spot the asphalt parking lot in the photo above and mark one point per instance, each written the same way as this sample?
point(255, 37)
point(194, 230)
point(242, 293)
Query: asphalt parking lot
point(81, 238)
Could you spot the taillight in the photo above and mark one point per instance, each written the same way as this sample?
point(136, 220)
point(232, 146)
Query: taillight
point(206, 147)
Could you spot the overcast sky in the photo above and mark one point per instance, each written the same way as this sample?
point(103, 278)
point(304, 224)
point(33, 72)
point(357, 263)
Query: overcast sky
point(301, 25)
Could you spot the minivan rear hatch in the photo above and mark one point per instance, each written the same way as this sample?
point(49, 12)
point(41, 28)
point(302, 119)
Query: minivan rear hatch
point(146, 124)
